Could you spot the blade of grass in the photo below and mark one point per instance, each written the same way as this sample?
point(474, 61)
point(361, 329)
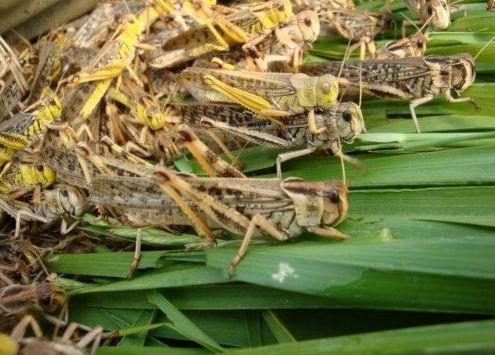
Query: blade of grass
point(467, 337)
point(276, 326)
point(182, 323)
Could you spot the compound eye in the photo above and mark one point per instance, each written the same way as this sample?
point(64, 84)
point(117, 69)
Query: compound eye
point(347, 116)
point(325, 88)
point(307, 21)
point(334, 196)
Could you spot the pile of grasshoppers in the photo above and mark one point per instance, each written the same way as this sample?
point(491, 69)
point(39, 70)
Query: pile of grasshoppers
point(93, 115)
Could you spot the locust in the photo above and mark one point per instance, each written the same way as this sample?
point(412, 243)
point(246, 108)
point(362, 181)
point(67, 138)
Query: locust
point(17, 132)
point(270, 95)
point(282, 209)
point(322, 5)
point(62, 345)
point(417, 80)
point(412, 46)
point(344, 123)
point(358, 26)
point(115, 56)
point(20, 301)
point(244, 25)
point(284, 44)
point(435, 11)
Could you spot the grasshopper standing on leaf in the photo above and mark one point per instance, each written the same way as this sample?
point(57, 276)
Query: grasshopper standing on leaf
point(281, 209)
point(417, 80)
point(270, 95)
point(344, 122)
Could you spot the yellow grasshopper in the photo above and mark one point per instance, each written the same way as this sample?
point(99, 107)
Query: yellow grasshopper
point(19, 132)
point(116, 55)
point(270, 95)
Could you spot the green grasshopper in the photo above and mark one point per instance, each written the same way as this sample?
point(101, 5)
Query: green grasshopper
point(270, 95)
point(417, 80)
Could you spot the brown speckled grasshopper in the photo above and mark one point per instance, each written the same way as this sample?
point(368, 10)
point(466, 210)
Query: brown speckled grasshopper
point(281, 209)
point(417, 80)
point(343, 123)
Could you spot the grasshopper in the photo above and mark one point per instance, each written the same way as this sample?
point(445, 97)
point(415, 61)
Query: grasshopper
point(412, 46)
point(281, 209)
point(17, 132)
point(285, 43)
point(417, 80)
point(63, 345)
point(358, 26)
point(244, 26)
point(269, 95)
point(115, 56)
point(436, 10)
point(343, 122)
point(490, 5)
point(322, 5)
point(18, 301)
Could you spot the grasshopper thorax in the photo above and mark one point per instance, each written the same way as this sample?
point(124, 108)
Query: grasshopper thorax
point(326, 90)
point(318, 203)
point(463, 72)
point(309, 25)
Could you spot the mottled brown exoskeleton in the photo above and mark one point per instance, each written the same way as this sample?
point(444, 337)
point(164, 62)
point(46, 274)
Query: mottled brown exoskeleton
point(357, 26)
point(343, 124)
point(281, 209)
point(417, 80)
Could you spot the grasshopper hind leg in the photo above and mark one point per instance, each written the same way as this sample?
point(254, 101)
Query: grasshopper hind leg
point(258, 221)
point(137, 254)
point(415, 103)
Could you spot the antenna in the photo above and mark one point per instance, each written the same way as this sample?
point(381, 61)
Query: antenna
point(484, 47)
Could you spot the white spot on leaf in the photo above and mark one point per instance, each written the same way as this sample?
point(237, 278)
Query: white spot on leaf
point(284, 271)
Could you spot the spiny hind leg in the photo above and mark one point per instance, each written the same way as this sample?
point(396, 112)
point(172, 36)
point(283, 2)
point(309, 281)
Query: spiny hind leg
point(204, 155)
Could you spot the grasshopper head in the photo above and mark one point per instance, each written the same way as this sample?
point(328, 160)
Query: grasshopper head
point(439, 10)
point(349, 121)
point(72, 200)
point(317, 203)
point(463, 72)
point(326, 91)
point(309, 25)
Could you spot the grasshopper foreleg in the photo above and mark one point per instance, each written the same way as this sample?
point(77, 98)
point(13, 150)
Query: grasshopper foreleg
point(289, 156)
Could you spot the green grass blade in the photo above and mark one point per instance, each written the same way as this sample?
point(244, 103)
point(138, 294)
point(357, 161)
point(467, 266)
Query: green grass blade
point(466, 338)
point(431, 274)
point(182, 323)
point(278, 329)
